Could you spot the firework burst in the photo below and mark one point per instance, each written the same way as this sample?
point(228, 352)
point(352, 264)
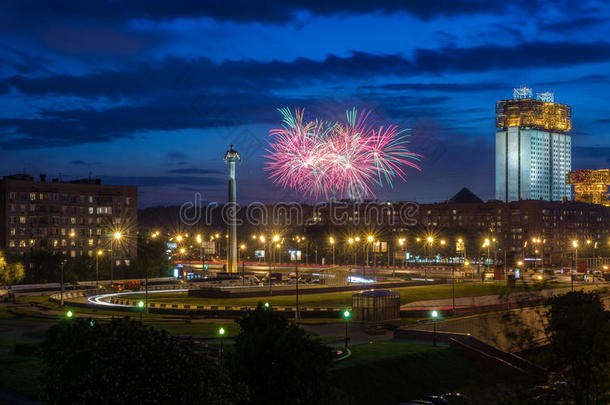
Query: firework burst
point(331, 159)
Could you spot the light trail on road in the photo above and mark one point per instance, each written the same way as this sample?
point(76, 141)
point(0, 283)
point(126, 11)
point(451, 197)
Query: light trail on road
point(97, 299)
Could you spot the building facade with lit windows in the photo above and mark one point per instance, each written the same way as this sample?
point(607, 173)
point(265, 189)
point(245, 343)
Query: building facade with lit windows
point(74, 218)
point(533, 147)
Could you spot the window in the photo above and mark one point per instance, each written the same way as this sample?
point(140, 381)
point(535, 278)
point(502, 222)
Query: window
point(32, 196)
point(73, 220)
point(90, 210)
point(12, 196)
point(104, 210)
point(13, 231)
point(11, 243)
point(22, 220)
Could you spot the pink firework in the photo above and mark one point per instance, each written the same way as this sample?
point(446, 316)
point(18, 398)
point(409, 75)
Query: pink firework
point(320, 158)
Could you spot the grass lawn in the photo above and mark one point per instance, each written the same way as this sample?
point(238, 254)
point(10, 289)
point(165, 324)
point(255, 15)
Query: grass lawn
point(20, 368)
point(394, 372)
point(342, 299)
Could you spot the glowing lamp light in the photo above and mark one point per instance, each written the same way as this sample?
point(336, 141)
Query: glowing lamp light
point(346, 314)
point(117, 235)
point(221, 331)
point(434, 314)
point(369, 238)
point(266, 305)
point(69, 314)
point(141, 304)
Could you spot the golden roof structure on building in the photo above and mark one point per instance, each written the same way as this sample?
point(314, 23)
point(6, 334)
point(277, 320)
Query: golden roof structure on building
point(590, 186)
point(535, 114)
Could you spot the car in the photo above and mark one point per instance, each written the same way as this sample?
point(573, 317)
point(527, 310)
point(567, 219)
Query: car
point(419, 402)
point(456, 398)
point(436, 399)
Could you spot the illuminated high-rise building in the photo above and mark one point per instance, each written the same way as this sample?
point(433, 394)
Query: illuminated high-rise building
point(533, 147)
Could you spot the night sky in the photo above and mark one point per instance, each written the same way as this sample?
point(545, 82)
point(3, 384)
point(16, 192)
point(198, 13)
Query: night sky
point(152, 93)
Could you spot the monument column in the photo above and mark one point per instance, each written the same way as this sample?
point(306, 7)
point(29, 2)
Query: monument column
point(231, 157)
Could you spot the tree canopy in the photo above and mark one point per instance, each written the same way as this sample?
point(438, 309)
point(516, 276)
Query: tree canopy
point(279, 363)
point(579, 332)
point(124, 362)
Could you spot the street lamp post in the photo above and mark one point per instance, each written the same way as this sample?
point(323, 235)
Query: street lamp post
point(97, 268)
point(403, 244)
point(575, 245)
point(221, 333)
point(296, 270)
point(434, 316)
point(141, 306)
point(332, 243)
point(117, 238)
point(369, 239)
point(429, 242)
point(61, 287)
point(346, 315)
point(242, 247)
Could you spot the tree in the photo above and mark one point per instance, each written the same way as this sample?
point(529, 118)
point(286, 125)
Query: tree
point(124, 362)
point(10, 272)
point(579, 332)
point(279, 363)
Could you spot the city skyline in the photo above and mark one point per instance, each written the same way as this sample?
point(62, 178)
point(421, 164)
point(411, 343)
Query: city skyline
point(151, 97)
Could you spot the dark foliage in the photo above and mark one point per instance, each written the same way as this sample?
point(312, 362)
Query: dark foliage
point(279, 363)
point(124, 362)
point(579, 331)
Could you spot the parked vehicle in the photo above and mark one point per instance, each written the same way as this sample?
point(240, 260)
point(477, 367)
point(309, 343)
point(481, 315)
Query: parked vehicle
point(436, 399)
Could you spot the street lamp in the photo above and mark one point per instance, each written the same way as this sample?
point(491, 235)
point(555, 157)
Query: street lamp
point(275, 240)
point(221, 333)
point(141, 307)
point(428, 245)
point(575, 245)
point(347, 316)
point(97, 268)
point(351, 242)
point(370, 240)
point(434, 316)
point(296, 270)
point(69, 314)
point(117, 239)
point(61, 290)
point(402, 242)
point(332, 243)
point(242, 247)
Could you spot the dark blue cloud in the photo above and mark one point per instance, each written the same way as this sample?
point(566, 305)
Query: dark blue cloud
point(266, 11)
point(75, 73)
point(153, 181)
